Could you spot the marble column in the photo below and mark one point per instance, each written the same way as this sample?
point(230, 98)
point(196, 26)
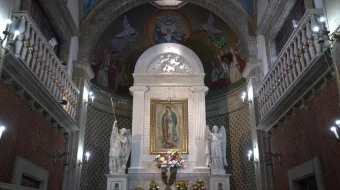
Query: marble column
point(138, 93)
point(199, 113)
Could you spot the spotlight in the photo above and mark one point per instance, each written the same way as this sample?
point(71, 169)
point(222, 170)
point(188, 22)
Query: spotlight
point(63, 102)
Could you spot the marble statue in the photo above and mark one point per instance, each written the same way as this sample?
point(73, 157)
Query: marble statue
point(216, 149)
point(120, 147)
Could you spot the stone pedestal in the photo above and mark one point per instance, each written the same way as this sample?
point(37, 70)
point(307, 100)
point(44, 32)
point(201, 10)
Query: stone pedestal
point(117, 182)
point(219, 181)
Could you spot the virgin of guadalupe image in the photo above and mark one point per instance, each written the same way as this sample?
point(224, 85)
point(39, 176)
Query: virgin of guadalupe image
point(169, 133)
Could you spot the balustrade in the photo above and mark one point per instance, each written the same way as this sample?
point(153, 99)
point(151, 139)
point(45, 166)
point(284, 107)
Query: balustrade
point(34, 51)
point(295, 57)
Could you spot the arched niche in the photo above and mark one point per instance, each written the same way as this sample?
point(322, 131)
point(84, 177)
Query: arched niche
point(168, 72)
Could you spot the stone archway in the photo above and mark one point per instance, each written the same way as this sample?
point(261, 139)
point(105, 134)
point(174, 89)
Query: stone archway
point(107, 11)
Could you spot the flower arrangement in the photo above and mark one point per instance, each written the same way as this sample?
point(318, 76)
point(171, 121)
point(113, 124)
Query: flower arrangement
point(153, 185)
point(182, 185)
point(199, 185)
point(173, 159)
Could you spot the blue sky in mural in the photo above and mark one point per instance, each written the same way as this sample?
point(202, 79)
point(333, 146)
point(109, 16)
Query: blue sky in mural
point(248, 5)
point(87, 5)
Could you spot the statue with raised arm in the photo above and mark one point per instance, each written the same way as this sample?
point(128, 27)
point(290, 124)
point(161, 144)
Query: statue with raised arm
point(216, 149)
point(120, 147)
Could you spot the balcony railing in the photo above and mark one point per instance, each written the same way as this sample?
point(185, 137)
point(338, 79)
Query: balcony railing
point(33, 50)
point(295, 60)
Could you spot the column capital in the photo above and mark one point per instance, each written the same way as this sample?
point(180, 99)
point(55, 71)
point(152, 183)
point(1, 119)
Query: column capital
point(82, 70)
point(138, 90)
point(199, 89)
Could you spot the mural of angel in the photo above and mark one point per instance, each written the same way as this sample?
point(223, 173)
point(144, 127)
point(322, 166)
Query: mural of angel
point(210, 30)
point(120, 147)
point(122, 39)
point(216, 149)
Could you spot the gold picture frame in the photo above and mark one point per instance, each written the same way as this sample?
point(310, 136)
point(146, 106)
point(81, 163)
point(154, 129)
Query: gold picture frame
point(168, 126)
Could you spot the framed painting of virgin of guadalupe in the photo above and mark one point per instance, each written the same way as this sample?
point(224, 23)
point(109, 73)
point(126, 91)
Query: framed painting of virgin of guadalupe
point(169, 126)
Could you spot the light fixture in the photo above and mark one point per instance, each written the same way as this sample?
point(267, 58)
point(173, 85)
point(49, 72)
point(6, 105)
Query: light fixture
point(316, 29)
point(63, 102)
point(335, 133)
point(276, 155)
point(6, 34)
point(337, 122)
point(2, 128)
point(87, 158)
point(251, 157)
point(322, 19)
point(90, 99)
point(244, 98)
point(57, 156)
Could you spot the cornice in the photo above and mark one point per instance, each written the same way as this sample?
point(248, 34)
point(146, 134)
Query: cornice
point(62, 19)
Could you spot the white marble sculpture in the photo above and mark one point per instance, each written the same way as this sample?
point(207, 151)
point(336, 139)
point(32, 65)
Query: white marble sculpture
point(169, 63)
point(120, 147)
point(216, 149)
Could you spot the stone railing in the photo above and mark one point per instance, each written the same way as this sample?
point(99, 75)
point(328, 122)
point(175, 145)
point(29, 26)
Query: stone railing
point(296, 57)
point(33, 50)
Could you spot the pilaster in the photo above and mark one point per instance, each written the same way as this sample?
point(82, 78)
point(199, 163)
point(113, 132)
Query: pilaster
point(82, 74)
point(200, 127)
point(259, 140)
point(138, 93)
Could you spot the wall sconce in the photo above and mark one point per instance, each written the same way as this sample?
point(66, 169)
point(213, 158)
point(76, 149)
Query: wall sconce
point(89, 101)
point(87, 158)
point(6, 34)
point(335, 133)
point(244, 98)
point(276, 155)
point(337, 122)
point(57, 156)
point(2, 128)
point(251, 157)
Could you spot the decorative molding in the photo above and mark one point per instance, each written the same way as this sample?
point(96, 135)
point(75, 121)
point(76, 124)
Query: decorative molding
point(267, 17)
point(135, 75)
point(199, 89)
point(150, 56)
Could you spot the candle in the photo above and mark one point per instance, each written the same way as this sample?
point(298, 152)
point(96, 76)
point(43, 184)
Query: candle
point(249, 157)
point(335, 132)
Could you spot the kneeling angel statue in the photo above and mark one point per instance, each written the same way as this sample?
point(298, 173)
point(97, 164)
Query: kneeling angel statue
point(120, 147)
point(216, 149)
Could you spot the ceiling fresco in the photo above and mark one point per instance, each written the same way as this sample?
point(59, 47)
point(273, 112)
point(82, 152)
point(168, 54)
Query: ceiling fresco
point(124, 41)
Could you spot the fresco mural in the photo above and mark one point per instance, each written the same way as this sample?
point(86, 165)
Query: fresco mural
point(124, 41)
point(168, 26)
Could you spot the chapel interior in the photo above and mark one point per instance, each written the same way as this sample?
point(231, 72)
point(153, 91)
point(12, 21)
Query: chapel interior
point(265, 72)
